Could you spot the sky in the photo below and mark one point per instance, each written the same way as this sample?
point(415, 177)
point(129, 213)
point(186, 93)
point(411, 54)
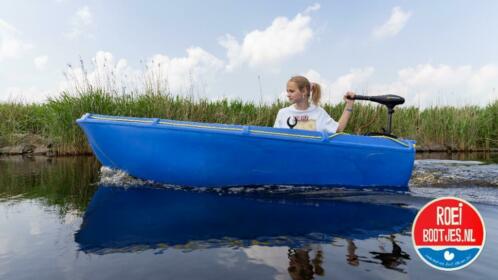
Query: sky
point(433, 53)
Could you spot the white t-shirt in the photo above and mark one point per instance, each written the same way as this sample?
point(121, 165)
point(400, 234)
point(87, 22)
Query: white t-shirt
point(313, 118)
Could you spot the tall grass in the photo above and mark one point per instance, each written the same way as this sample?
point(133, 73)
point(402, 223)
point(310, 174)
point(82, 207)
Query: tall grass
point(466, 128)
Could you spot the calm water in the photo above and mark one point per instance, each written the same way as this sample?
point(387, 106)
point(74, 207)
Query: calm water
point(67, 218)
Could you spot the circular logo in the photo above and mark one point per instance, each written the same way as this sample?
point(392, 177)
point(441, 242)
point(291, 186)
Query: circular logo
point(448, 233)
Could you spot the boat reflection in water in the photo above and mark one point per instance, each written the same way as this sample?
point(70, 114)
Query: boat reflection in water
point(292, 225)
point(118, 217)
point(129, 219)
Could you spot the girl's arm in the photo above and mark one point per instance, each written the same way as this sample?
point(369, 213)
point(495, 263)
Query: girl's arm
point(346, 114)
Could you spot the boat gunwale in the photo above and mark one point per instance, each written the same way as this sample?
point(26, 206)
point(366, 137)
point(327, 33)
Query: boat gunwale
point(245, 131)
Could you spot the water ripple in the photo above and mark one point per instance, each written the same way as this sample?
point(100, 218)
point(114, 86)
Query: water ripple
point(454, 173)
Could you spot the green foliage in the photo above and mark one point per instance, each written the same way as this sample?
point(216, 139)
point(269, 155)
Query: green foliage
point(468, 127)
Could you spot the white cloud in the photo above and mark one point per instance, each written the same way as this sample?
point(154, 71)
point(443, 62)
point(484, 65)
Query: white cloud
point(424, 85)
point(83, 16)
point(332, 91)
point(429, 85)
point(393, 25)
point(179, 75)
point(11, 46)
point(40, 62)
point(201, 73)
point(312, 8)
point(282, 39)
point(80, 22)
point(25, 95)
point(198, 68)
point(104, 72)
point(356, 80)
point(6, 27)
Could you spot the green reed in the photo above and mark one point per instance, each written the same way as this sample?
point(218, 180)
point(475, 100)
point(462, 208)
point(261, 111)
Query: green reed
point(466, 128)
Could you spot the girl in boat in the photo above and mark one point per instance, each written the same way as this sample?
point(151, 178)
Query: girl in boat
point(302, 114)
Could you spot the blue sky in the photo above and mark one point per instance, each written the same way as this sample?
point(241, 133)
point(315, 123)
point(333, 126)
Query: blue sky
point(430, 52)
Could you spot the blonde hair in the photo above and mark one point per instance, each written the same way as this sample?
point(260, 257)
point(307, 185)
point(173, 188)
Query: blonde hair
point(303, 84)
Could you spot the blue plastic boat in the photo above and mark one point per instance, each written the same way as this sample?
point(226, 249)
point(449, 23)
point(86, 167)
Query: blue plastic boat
point(216, 155)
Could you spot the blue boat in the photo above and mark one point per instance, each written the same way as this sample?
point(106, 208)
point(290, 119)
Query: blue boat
point(199, 154)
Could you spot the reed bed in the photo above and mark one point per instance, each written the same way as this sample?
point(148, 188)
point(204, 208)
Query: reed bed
point(465, 128)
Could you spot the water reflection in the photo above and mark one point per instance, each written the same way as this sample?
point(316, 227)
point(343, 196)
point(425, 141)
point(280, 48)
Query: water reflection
point(303, 266)
point(62, 182)
point(351, 257)
point(480, 156)
point(126, 220)
point(181, 234)
point(133, 219)
point(393, 259)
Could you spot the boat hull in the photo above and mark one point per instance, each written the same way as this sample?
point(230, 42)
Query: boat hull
point(213, 155)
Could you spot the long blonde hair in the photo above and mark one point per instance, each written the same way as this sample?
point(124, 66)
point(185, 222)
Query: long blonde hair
point(303, 84)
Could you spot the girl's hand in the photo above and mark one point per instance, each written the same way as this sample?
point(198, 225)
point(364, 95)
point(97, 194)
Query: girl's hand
point(349, 102)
